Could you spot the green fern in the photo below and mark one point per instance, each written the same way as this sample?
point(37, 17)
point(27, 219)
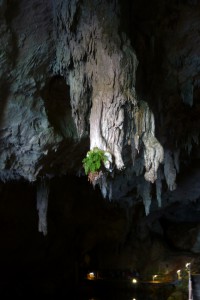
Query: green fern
point(93, 160)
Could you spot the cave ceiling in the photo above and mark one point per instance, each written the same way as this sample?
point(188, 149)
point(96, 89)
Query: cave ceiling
point(123, 76)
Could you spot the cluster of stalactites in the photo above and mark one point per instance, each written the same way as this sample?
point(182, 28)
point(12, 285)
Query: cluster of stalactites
point(144, 137)
point(42, 205)
point(101, 70)
point(152, 154)
point(145, 132)
point(159, 164)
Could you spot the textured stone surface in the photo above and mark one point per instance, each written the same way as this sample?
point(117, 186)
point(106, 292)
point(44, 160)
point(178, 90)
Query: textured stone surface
point(71, 76)
point(25, 65)
point(124, 77)
point(94, 64)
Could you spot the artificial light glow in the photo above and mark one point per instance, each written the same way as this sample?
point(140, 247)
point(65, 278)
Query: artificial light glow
point(179, 274)
point(134, 281)
point(91, 275)
point(154, 276)
point(187, 265)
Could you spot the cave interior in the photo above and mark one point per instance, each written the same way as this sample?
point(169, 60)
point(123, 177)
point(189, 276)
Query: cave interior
point(123, 76)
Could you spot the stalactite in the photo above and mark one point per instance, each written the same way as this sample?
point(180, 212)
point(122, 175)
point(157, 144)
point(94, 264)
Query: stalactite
point(159, 188)
point(139, 166)
point(153, 156)
point(187, 92)
point(176, 159)
point(144, 189)
point(103, 185)
point(133, 150)
point(145, 130)
point(195, 138)
point(191, 139)
point(42, 205)
point(188, 145)
point(169, 170)
point(110, 191)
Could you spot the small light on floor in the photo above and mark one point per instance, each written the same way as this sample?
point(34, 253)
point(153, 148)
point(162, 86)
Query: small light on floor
point(134, 280)
point(179, 274)
point(154, 276)
point(91, 276)
point(187, 265)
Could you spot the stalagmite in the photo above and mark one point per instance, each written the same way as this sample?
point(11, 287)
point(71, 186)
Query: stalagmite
point(42, 205)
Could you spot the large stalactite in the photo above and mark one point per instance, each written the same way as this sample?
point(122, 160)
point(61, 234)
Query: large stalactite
point(100, 67)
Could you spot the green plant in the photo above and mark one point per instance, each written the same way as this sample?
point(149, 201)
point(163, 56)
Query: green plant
point(94, 160)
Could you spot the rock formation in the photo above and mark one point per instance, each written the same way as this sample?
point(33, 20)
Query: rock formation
point(119, 75)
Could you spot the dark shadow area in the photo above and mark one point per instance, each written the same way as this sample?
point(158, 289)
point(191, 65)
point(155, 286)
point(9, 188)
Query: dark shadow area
point(56, 95)
point(84, 234)
point(32, 264)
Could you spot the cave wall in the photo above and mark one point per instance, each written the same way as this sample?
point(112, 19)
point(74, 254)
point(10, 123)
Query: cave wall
point(123, 76)
point(76, 75)
point(91, 71)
